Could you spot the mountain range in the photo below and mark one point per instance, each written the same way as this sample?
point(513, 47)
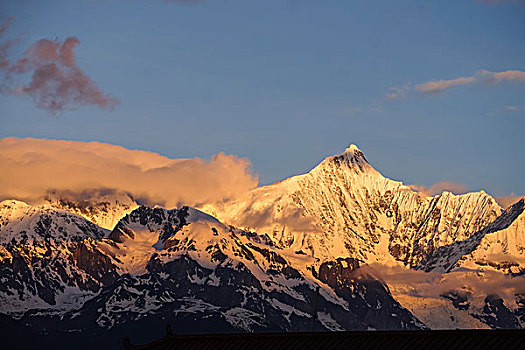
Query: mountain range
point(370, 252)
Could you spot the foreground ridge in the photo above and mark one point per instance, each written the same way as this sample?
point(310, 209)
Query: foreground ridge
point(443, 339)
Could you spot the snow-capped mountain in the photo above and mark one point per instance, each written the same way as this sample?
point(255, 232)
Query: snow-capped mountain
point(102, 207)
point(383, 256)
point(22, 224)
point(187, 262)
point(184, 266)
point(41, 249)
point(346, 208)
point(500, 246)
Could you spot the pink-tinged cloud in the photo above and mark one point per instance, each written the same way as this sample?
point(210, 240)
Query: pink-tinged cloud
point(438, 86)
point(56, 82)
point(5, 45)
point(507, 201)
point(439, 188)
point(497, 77)
point(32, 168)
point(435, 87)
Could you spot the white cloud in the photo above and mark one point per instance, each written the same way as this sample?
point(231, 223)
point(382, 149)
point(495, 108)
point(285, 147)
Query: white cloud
point(398, 92)
point(31, 168)
point(438, 86)
point(435, 87)
point(439, 187)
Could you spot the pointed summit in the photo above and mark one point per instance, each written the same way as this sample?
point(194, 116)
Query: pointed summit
point(352, 148)
point(353, 152)
point(351, 158)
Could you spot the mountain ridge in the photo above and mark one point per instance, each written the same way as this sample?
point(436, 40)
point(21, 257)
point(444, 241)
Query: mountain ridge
point(344, 193)
point(254, 263)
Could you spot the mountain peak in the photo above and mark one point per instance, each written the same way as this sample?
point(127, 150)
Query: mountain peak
point(352, 149)
point(351, 158)
point(353, 154)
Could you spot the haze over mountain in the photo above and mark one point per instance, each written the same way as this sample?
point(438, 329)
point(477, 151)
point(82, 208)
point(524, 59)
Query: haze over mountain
point(383, 255)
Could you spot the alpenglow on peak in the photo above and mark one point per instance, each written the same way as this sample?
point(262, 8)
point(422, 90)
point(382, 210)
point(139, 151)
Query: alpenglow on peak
point(354, 152)
point(352, 148)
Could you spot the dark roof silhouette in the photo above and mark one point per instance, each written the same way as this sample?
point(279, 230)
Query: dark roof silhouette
point(435, 339)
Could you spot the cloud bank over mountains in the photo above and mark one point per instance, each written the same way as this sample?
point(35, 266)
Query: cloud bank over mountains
point(32, 168)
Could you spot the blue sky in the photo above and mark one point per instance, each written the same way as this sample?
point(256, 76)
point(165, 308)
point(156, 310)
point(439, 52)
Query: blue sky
point(287, 83)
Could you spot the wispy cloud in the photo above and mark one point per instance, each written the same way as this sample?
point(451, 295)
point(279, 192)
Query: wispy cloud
point(438, 86)
point(398, 92)
point(5, 45)
point(506, 110)
point(439, 187)
point(497, 77)
point(511, 108)
point(435, 87)
point(56, 82)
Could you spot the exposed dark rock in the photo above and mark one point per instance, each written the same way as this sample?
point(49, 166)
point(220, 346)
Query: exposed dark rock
point(94, 262)
point(369, 299)
point(497, 315)
point(460, 299)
